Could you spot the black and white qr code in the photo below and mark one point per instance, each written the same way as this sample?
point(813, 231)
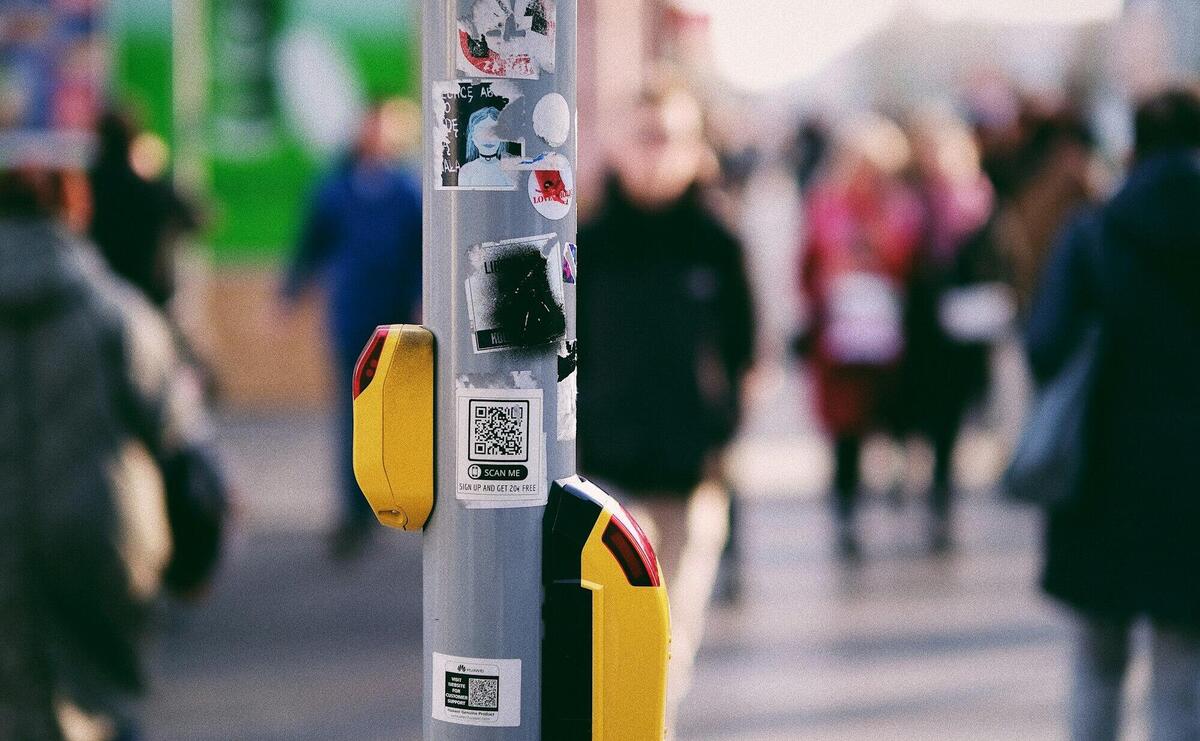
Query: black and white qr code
point(483, 694)
point(499, 430)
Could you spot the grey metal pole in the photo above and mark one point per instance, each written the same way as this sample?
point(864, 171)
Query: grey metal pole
point(501, 438)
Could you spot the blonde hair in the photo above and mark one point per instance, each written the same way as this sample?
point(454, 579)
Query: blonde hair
point(877, 140)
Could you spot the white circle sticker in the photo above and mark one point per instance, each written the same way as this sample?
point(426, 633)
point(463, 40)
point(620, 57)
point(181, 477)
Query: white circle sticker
point(552, 189)
point(552, 119)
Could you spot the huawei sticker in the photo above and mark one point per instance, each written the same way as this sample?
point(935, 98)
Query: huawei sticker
point(552, 190)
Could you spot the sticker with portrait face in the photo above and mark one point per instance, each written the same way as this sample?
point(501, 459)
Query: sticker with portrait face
point(469, 153)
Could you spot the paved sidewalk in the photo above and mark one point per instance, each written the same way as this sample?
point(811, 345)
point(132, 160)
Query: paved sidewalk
point(901, 646)
point(290, 647)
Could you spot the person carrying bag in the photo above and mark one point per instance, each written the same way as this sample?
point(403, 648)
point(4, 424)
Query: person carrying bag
point(1048, 464)
point(1114, 339)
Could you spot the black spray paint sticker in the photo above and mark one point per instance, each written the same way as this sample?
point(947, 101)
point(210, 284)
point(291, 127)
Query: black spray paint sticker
point(501, 447)
point(468, 152)
point(477, 692)
point(506, 38)
point(515, 294)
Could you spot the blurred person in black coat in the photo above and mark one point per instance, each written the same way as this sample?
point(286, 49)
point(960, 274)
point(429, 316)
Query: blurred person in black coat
point(666, 330)
point(94, 407)
point(135, 220)
point(1127, 546)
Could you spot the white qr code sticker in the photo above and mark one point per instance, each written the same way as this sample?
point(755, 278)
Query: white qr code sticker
point(500, 447)
point(477, 692)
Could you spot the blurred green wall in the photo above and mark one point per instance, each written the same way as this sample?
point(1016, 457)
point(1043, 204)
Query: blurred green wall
point(285, 79)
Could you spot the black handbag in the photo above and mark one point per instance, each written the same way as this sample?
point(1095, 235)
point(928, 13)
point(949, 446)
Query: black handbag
point(197, 510)
point(1047, 466)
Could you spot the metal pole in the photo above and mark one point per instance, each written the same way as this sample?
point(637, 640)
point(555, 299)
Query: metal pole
point(483, 555)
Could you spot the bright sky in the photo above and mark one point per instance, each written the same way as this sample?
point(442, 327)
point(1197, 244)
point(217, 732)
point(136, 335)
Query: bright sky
point(763, 44)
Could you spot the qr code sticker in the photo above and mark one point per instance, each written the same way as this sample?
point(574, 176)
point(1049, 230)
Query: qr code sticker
point(499, 430)
point(483, 694)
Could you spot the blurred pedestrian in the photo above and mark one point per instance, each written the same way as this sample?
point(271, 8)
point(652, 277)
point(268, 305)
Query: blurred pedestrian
point(362, 243)
point(945, 365)
point(135, 220)
point(1125, 547)
point(93, 412)
point(666, 331)
point(809, 150)
point(1054, 174)
point(863, 227)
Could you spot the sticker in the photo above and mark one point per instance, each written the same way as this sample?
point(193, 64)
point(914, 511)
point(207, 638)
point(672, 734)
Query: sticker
point(544, 161)
point(500, 447)
point(514, 298)
point(477, 692)
point(551, 190)
point(469, 152)
point(506, 38)
point(552, 119)
point(568, 391)
point(570, 262)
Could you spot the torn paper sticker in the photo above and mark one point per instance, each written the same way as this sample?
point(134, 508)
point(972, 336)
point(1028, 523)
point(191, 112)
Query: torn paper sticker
point(552, 119)
point(570, 263)
point(506, 38)
point(568, 390)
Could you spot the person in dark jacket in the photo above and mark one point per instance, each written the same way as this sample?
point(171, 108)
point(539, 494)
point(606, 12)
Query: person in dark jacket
point(362, 242)
point(135, 220)
point(666, 338)
point(944, 372)
point(92, 398)
point(1127, 546)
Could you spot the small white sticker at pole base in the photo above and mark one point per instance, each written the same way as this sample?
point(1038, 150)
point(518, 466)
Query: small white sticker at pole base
point(477, 692)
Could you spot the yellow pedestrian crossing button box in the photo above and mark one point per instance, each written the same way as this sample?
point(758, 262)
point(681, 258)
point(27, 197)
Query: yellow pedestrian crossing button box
point(607, 621)
point(393, 425)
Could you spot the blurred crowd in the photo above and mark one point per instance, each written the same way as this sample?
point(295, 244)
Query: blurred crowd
point(924, 237)
point(928, 237)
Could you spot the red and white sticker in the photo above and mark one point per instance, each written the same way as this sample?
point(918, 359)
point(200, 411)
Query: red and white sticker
point(552, 189)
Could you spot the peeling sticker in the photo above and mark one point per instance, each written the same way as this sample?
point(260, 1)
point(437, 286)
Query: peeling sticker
point(500, 447)
point(477, 692)
point(551, 190)
point(468, 150)
point(544, 161)
point(514, 298)
point(506, 38)
point(568, 391)
point(570, 263)
point(552, 119)
point(522, 379)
